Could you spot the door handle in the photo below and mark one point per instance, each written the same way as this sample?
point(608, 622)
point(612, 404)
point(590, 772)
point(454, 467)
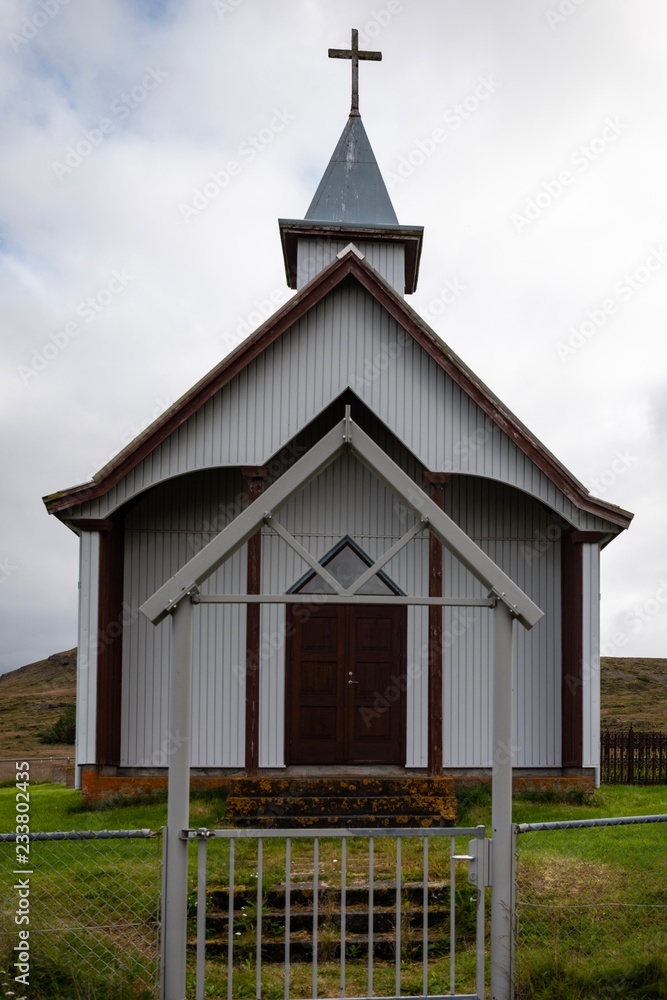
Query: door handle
point(351, 681)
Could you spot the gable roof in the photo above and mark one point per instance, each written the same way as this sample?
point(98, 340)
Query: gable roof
point(347, 266)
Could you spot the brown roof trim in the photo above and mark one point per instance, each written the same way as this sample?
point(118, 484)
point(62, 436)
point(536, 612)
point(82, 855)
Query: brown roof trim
point(312, 293)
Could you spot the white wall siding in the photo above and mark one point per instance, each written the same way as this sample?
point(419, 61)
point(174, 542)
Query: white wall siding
point(518, 534)
point(388, 259)
point(591, 654)
point(87, 643)
point(416, 739)
point(273, 643)
point(162, 532)
point(347, 340)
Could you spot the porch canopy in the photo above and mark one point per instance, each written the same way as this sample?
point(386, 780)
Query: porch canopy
point(178, 596)
point(346, 435)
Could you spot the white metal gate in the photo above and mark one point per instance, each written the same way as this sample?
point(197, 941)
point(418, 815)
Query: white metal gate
point(409, 877)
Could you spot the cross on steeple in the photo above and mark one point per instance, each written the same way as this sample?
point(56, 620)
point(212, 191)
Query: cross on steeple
point(355, 55)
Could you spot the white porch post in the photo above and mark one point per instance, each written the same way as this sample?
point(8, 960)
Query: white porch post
point(502, 861)
point(175, 877)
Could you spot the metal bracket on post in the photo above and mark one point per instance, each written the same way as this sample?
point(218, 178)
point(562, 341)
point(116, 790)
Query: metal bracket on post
point(347, 426)
point(192, 591)
point(500, 595)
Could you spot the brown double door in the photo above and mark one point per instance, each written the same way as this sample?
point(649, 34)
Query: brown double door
point(345, 692)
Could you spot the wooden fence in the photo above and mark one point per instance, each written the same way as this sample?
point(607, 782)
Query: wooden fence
point(633, 758)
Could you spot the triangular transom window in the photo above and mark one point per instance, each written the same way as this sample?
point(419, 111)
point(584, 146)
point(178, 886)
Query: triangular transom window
point(346, 561)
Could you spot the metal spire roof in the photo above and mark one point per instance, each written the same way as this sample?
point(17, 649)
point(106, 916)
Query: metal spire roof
point(352, 189)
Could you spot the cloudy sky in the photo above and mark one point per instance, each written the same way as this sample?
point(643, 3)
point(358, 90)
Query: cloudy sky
point(149, 146)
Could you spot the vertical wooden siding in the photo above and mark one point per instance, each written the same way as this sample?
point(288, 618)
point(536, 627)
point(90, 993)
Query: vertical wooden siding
point(388, 259)
point(86, 678)
point(348, 340)
point(162, 532)
point(590, 558)
point(521, 537)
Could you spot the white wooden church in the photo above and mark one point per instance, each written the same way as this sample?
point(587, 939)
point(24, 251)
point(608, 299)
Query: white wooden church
point(376, 685)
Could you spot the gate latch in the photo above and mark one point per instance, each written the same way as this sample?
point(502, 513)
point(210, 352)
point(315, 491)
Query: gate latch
point(479, 862)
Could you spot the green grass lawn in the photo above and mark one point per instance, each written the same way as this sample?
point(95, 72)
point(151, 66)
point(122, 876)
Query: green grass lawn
point(592, 903)
point(56, 808)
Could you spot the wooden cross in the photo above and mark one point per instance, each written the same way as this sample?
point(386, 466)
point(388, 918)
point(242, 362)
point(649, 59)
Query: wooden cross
point(355, 55)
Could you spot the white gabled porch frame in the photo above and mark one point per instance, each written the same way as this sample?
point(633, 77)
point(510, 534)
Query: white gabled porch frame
point(178, 596)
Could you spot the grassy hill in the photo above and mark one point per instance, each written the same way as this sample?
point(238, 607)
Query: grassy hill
point(33, 697)
point(634, 691)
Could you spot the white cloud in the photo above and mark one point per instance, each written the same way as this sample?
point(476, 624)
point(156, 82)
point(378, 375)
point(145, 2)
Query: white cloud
point(193, 286)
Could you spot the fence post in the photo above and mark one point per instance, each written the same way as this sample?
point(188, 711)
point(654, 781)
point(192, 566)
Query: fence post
point(502, 862)
point(175, 880)
point(631, 755)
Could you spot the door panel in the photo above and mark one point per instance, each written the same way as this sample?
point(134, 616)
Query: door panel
point(345, 685)
point(375, 707)
point(315, 698)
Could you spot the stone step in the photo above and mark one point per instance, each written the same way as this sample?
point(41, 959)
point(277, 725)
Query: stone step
point(322, 802)
point(342, 786)
point(356, 895)
point(276, 806)
point(301, 919)
point(364, 822)
point(329, 948)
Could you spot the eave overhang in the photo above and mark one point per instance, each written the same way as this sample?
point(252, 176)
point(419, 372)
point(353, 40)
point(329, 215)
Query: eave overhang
point(291, 230)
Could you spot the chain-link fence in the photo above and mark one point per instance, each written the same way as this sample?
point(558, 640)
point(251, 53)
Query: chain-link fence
point(79, 914)
point(58, 770)
point(591, 909)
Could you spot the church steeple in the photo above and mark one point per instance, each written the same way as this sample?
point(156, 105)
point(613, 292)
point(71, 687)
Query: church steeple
point(352, 189)
point(352, 205)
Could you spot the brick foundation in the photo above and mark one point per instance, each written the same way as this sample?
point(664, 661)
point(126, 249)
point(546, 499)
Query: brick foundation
point(98, 782)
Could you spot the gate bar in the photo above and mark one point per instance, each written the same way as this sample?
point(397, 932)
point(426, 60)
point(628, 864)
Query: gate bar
point(201, 918)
